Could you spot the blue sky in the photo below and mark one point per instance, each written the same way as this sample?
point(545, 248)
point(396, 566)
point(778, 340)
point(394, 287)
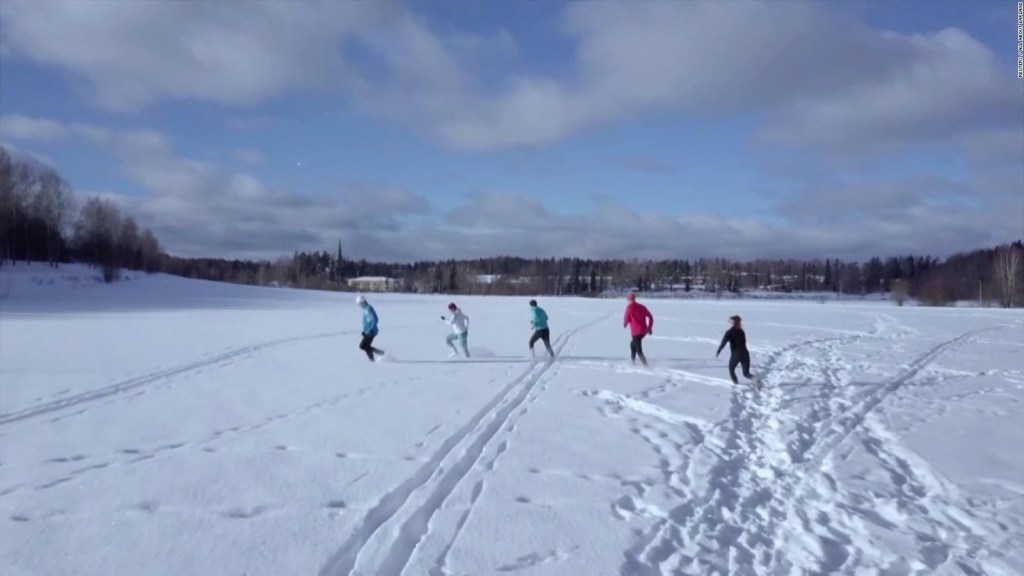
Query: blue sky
point(463, 129)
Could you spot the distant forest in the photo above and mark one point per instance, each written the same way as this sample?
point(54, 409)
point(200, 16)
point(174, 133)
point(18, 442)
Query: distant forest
point(41, 221)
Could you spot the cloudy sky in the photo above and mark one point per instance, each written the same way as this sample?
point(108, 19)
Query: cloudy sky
point(449, 129)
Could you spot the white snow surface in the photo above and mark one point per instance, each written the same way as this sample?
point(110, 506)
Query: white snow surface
point(166, 426)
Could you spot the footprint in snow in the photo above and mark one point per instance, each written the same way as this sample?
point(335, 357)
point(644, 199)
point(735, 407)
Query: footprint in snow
point(19, 518)
point(65, 459)
point(534, 559)
point(243, 513)
point(56, 482)
point(336, 505)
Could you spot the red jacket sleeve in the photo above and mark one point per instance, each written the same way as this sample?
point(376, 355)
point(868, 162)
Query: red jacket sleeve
point(650, 320)
point(625, 318)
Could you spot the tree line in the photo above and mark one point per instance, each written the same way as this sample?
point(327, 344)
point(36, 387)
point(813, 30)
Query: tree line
point(40, 220)
point(988, 275)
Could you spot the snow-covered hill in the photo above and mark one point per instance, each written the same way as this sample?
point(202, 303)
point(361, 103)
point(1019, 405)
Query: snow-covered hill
point(168, 426)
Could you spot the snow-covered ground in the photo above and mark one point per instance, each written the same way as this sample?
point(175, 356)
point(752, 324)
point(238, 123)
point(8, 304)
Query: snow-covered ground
point(164, 426)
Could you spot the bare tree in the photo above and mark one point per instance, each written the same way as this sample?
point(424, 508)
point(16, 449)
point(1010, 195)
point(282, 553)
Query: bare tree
point(129, 244)
point(899, 292)
point(8, 204)
point(53, 205)
point(96, 235)
point(1007, 269)
point(150, 251)
point(17, 187)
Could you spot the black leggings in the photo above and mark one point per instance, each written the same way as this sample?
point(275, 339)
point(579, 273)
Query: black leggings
point(636, 348)
point(737, 358)
point(366, 345)
point(542, 334)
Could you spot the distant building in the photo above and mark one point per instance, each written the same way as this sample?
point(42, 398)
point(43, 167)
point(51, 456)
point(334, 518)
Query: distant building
point(373, 283)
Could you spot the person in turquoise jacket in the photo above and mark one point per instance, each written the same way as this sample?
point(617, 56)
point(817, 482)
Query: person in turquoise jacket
point(369, 329)
point(540, 328)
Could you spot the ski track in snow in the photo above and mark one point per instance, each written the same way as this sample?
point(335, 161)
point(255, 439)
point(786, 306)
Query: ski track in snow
point(129, 384)
point(399, 522)
point(226, 358)
point(440, 564)
point(771, 503)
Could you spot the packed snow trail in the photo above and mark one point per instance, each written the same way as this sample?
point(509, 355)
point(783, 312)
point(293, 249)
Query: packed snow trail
point(755, 501)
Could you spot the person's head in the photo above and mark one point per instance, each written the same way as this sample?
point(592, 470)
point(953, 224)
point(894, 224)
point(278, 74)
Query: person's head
point(631, 297)
point(533, 303)
point(452, 306)
point(736, 320)
point(360, 300)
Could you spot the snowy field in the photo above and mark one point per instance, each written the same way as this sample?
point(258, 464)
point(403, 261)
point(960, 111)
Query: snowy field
point(165, 426)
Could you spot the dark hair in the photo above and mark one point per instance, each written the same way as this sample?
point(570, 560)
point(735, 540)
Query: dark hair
point(735, 318)
point(533, 302)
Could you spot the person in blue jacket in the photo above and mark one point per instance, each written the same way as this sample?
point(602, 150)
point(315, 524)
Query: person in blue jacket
point(369, 329)
point(539, 321)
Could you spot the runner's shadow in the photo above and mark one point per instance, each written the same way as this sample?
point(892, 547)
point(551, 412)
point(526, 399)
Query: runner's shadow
point(488, 360)
point(662, 361)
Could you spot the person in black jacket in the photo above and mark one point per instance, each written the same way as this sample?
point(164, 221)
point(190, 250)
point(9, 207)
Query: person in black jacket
point(737, 340)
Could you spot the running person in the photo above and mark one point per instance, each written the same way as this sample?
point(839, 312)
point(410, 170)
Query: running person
point(737, 340)
point(460, 330)
point(369, 329)
point(641, 323)
point(539, 322)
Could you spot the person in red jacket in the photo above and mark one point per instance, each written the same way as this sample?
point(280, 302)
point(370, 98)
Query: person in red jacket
point(641, 323)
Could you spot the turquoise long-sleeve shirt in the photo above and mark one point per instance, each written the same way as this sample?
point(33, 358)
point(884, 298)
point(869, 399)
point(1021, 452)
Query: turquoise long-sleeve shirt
point(540, 318)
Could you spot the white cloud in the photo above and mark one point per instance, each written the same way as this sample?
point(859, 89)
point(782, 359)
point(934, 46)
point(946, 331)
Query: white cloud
point(494, 224)
point(248, 156)
point(93, 133)
point(817, 76)
point(131, 54)
point(198, 208)
point(997, 147)
point(948, 87)
point(19, 127)
point(26, 155)
point(820, 81)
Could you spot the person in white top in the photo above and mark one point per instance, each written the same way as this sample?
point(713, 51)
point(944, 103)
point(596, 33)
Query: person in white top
point(460, 330)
